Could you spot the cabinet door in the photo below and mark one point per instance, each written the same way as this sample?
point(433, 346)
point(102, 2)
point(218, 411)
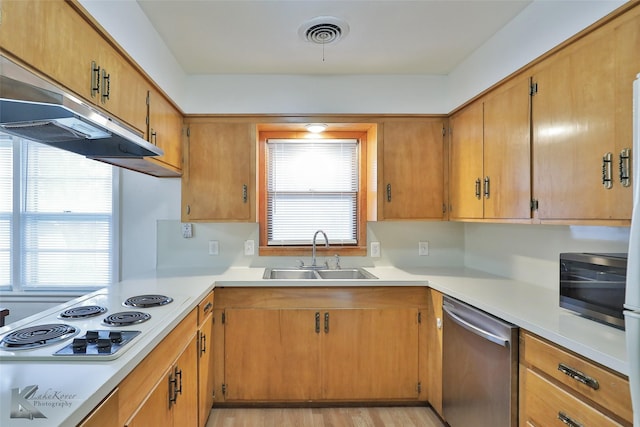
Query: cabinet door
point(574, 116)
point(106, 414)
point(219, 177)
point(370, 354)
point(412, 184)
point(165, 129)
point(185, 409)
point(155, 410)
point(466, 171)
point(507, 152)
point(205, 370)
point(271, 355)
point(434, 350)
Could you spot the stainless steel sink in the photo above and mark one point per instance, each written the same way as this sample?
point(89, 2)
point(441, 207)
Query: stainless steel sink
point(302, 274)
point(346, 273)
point(289, 274)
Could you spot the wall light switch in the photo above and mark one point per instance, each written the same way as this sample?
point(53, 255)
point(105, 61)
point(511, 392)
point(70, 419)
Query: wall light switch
point(423, 248)
point(375, 249)
point(214, 248)
point(249, 247)
point(187, 230)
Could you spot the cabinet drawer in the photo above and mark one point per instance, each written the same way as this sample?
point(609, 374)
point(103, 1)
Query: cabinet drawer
point(547, 406)
point(205, 308)
point(611, 392)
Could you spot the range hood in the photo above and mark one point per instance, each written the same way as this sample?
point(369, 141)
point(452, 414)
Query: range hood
point(33, 108)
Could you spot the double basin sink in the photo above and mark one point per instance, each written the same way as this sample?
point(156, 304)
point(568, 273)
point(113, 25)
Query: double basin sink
point(303, 274)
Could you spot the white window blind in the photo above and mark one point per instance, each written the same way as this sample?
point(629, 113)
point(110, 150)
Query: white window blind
point(66, 219)
point(6, 208)
point(312, 185)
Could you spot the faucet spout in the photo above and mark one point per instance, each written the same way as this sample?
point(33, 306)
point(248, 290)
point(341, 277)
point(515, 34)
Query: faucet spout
point(313, 249)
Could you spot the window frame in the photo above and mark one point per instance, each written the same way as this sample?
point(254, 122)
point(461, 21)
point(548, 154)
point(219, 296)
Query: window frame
point(358, 249)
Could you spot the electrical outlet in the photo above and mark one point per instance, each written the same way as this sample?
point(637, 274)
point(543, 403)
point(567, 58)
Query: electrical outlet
point(249, 247)
point(423, 248)
point(375, 249)
point(187, 230)
point(214, 248)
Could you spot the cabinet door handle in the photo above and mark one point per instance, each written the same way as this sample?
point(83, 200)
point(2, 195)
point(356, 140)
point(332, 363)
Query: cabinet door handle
point(326, 323)
point(203, 344)
point(388, 192)
point(317, 322)
point(487, 187)
point(207, 307)
point(173, 395)
point(154, 137)
point(178, 374)
point(245, 193)
point(567, 420)
point(579, 376)
point(106, 85)
point(95, 79)
point(478, 195)
point(606, 171)
point(625, 167)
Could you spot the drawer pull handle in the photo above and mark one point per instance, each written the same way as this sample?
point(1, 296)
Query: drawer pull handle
point(568, 421)
point(208, 307)
point(579, 376)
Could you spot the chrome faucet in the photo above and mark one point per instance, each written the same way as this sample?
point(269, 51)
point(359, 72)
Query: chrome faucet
point(313, 250)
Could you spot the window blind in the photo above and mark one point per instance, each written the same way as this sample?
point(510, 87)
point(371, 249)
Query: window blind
point(312, 185)
point(66, 219)
point(6, 208)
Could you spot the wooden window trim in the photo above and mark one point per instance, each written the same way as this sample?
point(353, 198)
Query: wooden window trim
point(304, 250)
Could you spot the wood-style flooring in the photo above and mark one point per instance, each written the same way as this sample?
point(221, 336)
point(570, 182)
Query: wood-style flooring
point(324, 417)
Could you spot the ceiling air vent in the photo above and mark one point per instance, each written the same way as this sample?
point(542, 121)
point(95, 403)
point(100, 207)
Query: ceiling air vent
point(323, 30)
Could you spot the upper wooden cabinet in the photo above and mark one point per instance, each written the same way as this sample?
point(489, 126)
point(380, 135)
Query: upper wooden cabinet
point(582, 123)
point(490, 156)
point(164, 130)
point(219, 179)
point(411, 169)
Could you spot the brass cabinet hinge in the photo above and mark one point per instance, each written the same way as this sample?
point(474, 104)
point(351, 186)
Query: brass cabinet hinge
point(444, 131)
point(224, 389)
point(419, 387)
point(533, 89)
point(419, 317)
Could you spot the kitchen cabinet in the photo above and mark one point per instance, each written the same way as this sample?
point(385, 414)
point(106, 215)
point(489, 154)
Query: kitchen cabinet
point(582, 123)
point(164, 130)
point(557, 386)
point(106, 414)
point(169, 371)
point(411, 169)
point(173, 401)
point(65, 46)
point(300, 344)
point(205, 359)
point(490, 173)
point(218, 183)
point(434, 350)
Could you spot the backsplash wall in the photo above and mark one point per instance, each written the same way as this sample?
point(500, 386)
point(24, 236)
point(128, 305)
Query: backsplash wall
point(398, 241)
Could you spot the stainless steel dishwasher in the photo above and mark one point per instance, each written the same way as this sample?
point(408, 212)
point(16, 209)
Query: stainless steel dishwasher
point(480, 368)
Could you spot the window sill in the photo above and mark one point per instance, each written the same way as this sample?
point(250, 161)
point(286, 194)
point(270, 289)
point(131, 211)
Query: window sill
point(321, 251)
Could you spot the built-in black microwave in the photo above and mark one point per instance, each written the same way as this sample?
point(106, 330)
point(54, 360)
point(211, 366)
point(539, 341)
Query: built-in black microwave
point(593, 285)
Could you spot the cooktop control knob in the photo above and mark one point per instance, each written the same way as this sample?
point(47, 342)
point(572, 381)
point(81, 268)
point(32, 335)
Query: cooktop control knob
point(115, 336)
point(92, 336)
point(104, 345)
point(79, 345)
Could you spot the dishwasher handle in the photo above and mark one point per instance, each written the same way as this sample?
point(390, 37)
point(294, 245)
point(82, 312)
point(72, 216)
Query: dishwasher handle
point(476, 330)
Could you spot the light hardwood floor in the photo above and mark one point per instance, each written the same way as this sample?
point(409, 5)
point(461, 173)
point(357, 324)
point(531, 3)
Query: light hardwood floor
point(324, 417)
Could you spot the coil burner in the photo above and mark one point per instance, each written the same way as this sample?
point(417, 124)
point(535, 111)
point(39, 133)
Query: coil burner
point(126, 318)
point(38, 336)
point(82, 312)
point(146, 301)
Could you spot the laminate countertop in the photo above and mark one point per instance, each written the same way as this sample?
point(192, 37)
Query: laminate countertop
point(69, 391)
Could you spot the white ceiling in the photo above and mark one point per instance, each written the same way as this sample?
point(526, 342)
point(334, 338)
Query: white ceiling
point(385, 36)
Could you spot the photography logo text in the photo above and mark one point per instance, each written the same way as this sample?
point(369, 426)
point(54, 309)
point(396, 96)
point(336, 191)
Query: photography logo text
point(29, 403)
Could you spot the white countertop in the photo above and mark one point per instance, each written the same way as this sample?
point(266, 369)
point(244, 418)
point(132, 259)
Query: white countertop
point(68, 391)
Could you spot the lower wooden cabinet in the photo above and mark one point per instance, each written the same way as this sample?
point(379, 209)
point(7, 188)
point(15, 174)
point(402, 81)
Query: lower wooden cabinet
point(334, 345)
point(434, 350)
point(106, 414)
point(205, 359)
point(559, 388)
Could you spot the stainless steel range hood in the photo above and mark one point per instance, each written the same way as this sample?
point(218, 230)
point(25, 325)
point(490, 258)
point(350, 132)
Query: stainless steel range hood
point(33, 108)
